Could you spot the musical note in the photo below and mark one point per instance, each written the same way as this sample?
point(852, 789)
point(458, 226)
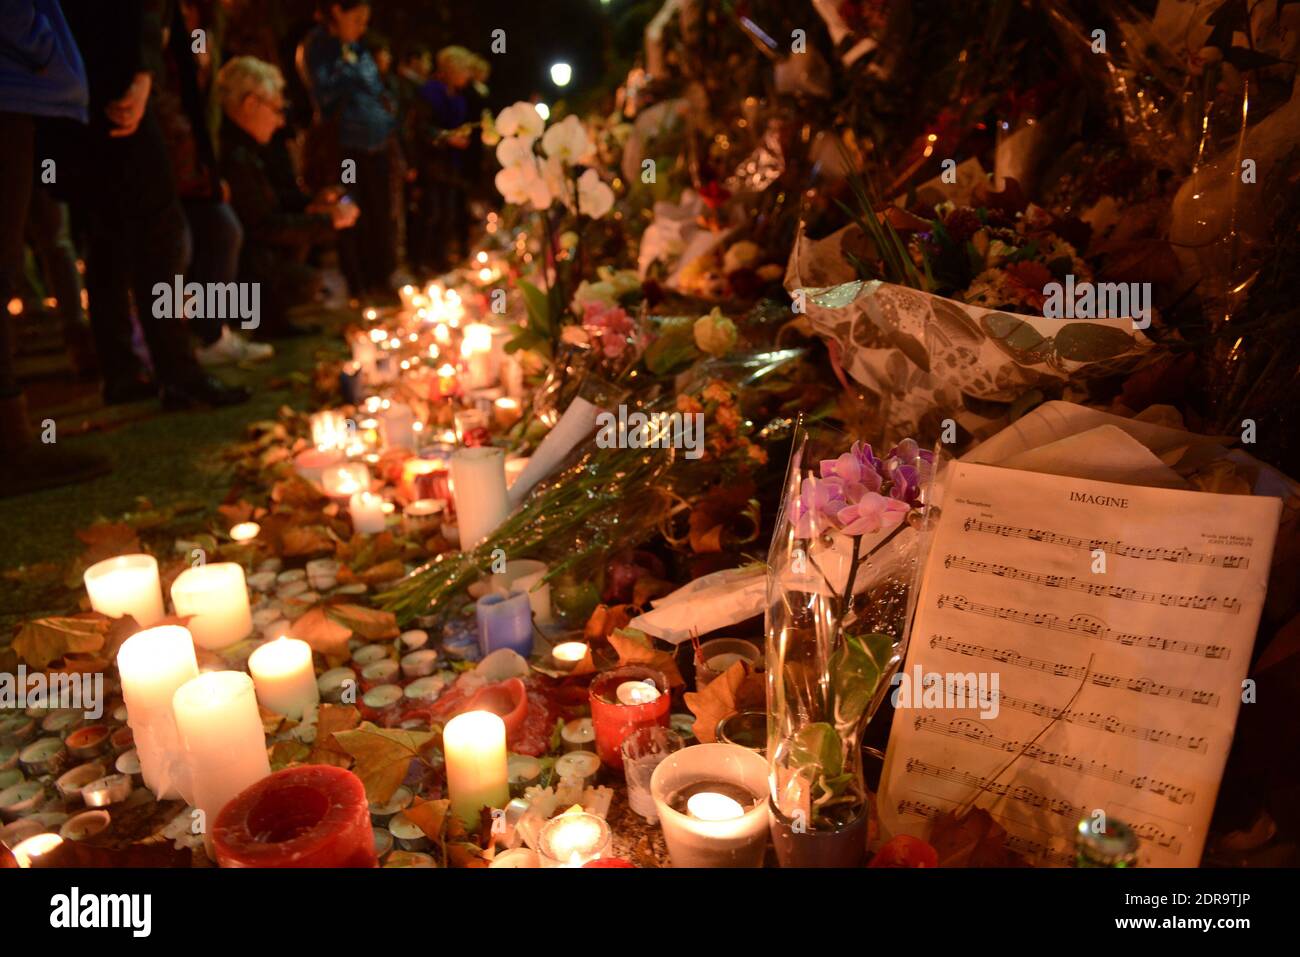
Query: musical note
point(1063, 670)
point(1016, 792)
point(1085, 625)
point(1110, 546)
point(1168, 599)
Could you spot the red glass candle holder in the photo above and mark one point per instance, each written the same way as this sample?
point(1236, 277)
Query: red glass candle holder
point(309, 816)
point(614, 721)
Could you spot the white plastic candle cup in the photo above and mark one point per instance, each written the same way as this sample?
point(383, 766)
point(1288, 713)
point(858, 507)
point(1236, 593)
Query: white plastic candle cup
point(217, 596)
point(126, 585)
point(153, 664)
point(731, 842)
point(525, 575)
point(284, 677)
point(643, 751)
point(367, 511)
point(479, 486)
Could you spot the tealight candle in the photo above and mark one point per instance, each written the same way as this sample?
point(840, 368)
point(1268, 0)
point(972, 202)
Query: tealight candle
point(126, 585)
point(578, 735)
point(474, 744)
point(422, 517)
point(522, 772)
point(225, 746)
point(479, 480)
point(367, 511)
point(337, 683)
point(506, 411)
point(583, 765)
point(30, 851)
point(153, 664)
point(85, 825)
point(245, 532)
point(107, 790)
point(217, 596)
point(569, 654)
point(636, 692)
point(572, 839)
point(284, 678)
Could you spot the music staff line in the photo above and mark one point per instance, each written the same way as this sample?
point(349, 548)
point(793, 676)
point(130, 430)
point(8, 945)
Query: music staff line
point(1087, 626)
point(1110, 546)
point(1229, 606)
point(1108, 723)
point(1034, 851)
point(972, 731)
point(1077, 672)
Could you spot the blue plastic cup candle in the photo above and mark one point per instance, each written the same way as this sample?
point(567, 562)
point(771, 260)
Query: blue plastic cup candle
point(505, 621)
point(351, 383)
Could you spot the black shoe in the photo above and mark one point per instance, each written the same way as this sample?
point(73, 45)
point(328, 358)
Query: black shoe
point(121, 391)
point(202, 391)
point(38, 466)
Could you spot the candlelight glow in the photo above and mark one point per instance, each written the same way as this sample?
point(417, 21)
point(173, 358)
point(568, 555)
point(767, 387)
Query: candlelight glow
point(245, 532)
point(711, 806)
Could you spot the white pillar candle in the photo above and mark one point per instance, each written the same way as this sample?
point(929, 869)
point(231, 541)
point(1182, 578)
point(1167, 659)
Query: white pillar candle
point(577, 423)
point(284, 677)
point(341, 482)
point(479, 479)
point(476, 350)
point(225, 746)
point(126, 585)
point(152, 664)
point(526, 575)
point(217, 596)
point(474, 744)
point(367, 511)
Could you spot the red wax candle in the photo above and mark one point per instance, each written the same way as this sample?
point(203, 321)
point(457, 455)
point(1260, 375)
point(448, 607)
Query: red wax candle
point(614, 720)
point(311, 816)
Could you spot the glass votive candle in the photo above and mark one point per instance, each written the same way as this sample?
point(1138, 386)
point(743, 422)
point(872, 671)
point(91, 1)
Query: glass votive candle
point(424, 478)
point(506, 412)
point(745, 728)
point(643, 751)
point(619, 707)
point(423, 517)
point(572, 839)
point(719, 654)
point(472, 427)
point(126, 585)
point(341, 482)
point(505, 621)
point(712, 803)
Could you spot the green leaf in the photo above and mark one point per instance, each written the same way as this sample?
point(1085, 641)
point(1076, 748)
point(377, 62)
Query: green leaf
point(817, 746)
point(856, 668)
point(674, 347)
point(539, 308)
point(1088, 342)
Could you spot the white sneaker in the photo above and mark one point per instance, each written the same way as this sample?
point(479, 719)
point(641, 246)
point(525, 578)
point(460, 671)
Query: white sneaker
point(230, 348)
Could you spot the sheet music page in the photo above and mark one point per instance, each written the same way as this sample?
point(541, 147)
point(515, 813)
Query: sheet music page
point(1143, 601)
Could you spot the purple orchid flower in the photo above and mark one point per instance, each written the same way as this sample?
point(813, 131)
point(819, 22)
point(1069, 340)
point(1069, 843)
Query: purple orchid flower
point(817, 504)
point(871, 513)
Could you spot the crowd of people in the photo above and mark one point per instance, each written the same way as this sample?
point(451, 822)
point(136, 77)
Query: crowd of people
point(146, 140)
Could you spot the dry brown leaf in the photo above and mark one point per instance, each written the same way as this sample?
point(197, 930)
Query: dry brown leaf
point(718, 700)
point(329, 719)
point(321, 632)
point(637, 648)
point(383, 572)
point(49, 639)
point(605, 619)
point(974, 840)
point(429, 816)
point(382, 756)
point(369, 623)
point(301, 541)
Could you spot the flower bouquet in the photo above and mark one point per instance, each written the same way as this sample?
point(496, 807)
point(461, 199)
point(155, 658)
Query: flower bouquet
point(842, 572)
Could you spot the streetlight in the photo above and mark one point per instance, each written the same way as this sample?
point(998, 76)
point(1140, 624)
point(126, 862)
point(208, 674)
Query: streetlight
point(561, 73)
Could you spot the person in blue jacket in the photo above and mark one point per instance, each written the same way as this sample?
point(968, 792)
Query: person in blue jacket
point(41, 76)
point(348, 91)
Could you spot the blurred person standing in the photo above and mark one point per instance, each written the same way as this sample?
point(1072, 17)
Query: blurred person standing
point(445, 138)
point(118, 176)
point(41, 76)
point(353, 107)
